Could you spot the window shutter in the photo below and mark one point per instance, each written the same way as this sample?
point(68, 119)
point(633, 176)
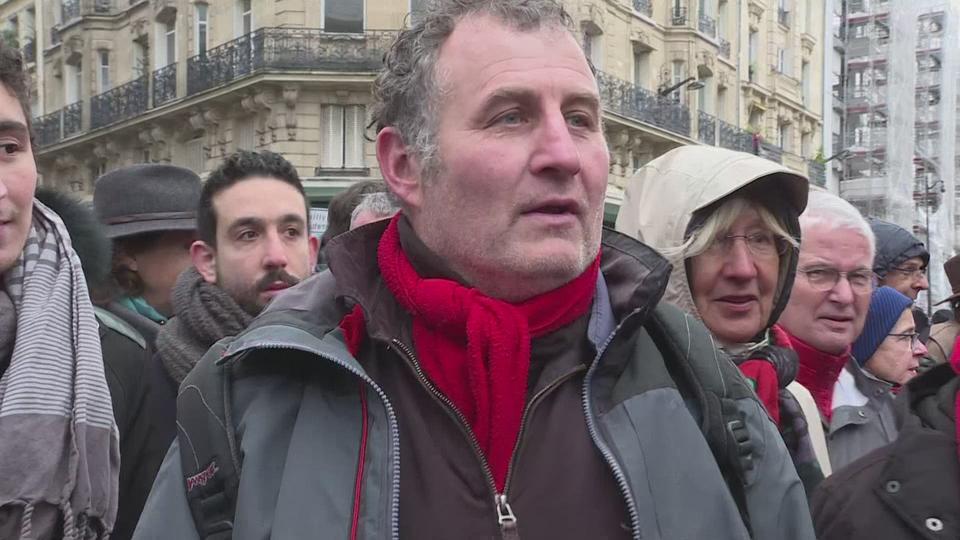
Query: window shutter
point(245, 134)
point(331, 149)
point(353, 136)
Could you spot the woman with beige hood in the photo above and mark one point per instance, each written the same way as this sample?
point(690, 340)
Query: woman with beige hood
point(728, 222)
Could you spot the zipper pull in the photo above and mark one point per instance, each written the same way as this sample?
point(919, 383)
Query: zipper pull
point(506, 518)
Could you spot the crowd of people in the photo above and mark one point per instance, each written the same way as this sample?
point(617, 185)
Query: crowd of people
point(468, 352)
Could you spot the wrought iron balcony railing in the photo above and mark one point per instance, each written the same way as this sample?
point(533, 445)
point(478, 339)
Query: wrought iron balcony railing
point(287, 49)
point(55, 35)
point(632, 101)
point(164, 84)
point(69, 10)
point(29, 51)
point(708, 25)
point(643, 6)
point(678, 16)
point(734, 138)
point(120, 103)
point(706, 128)
point(48, 129)
point(770, 151)
point(817, 172)
point(72, 119)
point(724, 48)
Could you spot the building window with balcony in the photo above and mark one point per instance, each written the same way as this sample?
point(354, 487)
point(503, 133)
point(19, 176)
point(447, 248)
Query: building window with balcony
point(72, 75)
point(194, 157)
point(343, 16)
point(679, 74)
point(103, 71)
point(200, 31)
point(341, 145)
point(244, 22)
point(805, 89)
point(753, 53)
point(641, 67)
point(593, 46)
point(245, 134)
point(783, 137)
point(140, 64)
point(167, 39)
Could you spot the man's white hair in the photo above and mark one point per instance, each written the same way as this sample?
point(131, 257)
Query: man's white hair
point(381, 204)
point(828, 210)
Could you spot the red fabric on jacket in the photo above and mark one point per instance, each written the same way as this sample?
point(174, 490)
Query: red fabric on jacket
point(473, 348)
point(766, 385)
point(818, 371)
point(955, 363)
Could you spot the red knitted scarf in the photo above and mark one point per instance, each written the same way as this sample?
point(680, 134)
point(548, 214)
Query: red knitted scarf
point(955, 362)
point(473, 348)
point(818, 371)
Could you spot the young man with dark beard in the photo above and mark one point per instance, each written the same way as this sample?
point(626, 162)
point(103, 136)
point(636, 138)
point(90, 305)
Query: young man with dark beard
point(254, 242)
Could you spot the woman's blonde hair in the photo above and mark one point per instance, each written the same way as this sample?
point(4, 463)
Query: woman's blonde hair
point(721, 220)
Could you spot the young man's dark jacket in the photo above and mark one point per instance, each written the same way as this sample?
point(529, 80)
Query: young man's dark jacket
point(909, 489)
point(127, 363)
point(609, 449)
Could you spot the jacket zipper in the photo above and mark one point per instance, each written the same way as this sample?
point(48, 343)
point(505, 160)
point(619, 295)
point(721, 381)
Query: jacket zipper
point(598, 441)
point(391, 420)
point(505, 516)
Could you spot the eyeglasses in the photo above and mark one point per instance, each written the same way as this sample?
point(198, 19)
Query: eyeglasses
point(760, 244)
point(825, 279)
point(910, 272)
point(912, 337)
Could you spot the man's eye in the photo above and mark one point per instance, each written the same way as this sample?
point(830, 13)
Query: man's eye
point(10, 148)
point(510, 118)
point(293, 233)
point(860, 278)
point(247, 235)
point(579, 120)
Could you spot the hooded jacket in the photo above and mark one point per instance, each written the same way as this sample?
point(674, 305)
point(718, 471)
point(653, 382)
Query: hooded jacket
point(894, 246)
point(126, 358)
point(909, 489)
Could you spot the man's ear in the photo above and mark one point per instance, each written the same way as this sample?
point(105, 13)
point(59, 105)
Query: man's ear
point(314, 250)
point(400, 168)
point(204, 259)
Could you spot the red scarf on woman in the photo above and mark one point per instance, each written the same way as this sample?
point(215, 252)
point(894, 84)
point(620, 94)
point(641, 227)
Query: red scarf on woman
point(473, 348)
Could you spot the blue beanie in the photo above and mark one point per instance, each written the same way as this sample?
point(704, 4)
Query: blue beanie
point(886, 306)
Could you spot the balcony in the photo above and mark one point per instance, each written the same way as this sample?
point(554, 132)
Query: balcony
point(706, 128)
point(734, 138)
point(287, 49)
point(770, 151)
point(48, 129)
point(121, 103)
point(165, 84)
point(724, 48)
point(55, 38)
point(72, 119)
point(783, 17)
point(817, 172)
point(708, 25)
point(29, 51)
point(625, 99)
point(643, 6)
point(678, 16)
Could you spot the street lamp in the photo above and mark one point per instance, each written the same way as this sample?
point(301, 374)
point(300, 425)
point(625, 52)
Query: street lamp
point(926, 206)
point(694, 84)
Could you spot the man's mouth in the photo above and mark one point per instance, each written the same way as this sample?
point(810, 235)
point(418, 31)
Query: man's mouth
point(276, 286)
point(556, 207)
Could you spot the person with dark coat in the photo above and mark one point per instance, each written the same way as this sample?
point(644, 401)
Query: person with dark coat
point(126, 359)
point(901, 262)
point(909, 489)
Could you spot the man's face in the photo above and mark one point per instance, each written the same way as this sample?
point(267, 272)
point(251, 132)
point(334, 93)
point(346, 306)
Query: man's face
point(160, 265)
point(18, 179)
point(829, 320)
point(516, 204)
point(897, 359)
point(263, 245)
point(910, 278)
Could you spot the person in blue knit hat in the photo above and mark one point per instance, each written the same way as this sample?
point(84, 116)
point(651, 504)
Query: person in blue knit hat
point(889, 347)
point(885, 356)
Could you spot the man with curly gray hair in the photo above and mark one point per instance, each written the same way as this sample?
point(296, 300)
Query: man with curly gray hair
point(488, 363)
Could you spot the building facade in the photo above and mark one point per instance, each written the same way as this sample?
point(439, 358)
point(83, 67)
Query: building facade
point(895, 68)
point(187, 81)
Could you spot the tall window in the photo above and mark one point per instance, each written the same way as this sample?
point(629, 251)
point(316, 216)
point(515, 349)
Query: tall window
point(103, 71)
point(201, 30)
point(140, 63)
point(342, 136)
point(783, 136)
point(704, 95)
point(167, 48)
point(244, 18)
point(593, 48)
point(753, 54)
point(72, 84)
point(721, 102)
point(679, 74)
point(805, 82)
point(344, 16)
point(641, 67)
point(245, 134)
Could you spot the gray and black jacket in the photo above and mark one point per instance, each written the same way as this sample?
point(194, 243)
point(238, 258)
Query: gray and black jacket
point(335, 446)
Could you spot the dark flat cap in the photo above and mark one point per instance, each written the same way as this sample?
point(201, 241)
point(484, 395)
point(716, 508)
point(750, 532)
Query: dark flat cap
point(147, 198)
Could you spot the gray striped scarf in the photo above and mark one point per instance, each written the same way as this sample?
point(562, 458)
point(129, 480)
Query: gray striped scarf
point(59, 447)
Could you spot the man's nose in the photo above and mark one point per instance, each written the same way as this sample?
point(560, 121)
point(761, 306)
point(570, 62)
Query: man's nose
point(555, 150)
point(275, 255)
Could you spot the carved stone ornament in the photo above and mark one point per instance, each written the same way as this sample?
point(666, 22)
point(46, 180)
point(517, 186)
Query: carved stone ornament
point(291, 93)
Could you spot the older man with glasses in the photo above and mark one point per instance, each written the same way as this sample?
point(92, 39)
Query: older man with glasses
point(826, 313)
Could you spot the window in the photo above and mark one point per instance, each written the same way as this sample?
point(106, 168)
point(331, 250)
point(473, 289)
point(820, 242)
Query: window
point(72, 83)
point(805, 141)
point(805, 82)
point(342, 136)
point(193, 155)
point(245, 135)
point(783, 137)
point(103, 72)
point(345, 16)
point(704, 95)
point(679, 74)
point(593, 48)
point(140, 65)
point(721, 102)
point(167, 48)
point(753, 53)
point(416, 7)
point(641, 67)
point(244, 18)
point(201, 29)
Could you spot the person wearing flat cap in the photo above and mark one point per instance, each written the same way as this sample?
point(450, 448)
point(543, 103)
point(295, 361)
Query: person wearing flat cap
point(149, 212)
point(944, 334)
